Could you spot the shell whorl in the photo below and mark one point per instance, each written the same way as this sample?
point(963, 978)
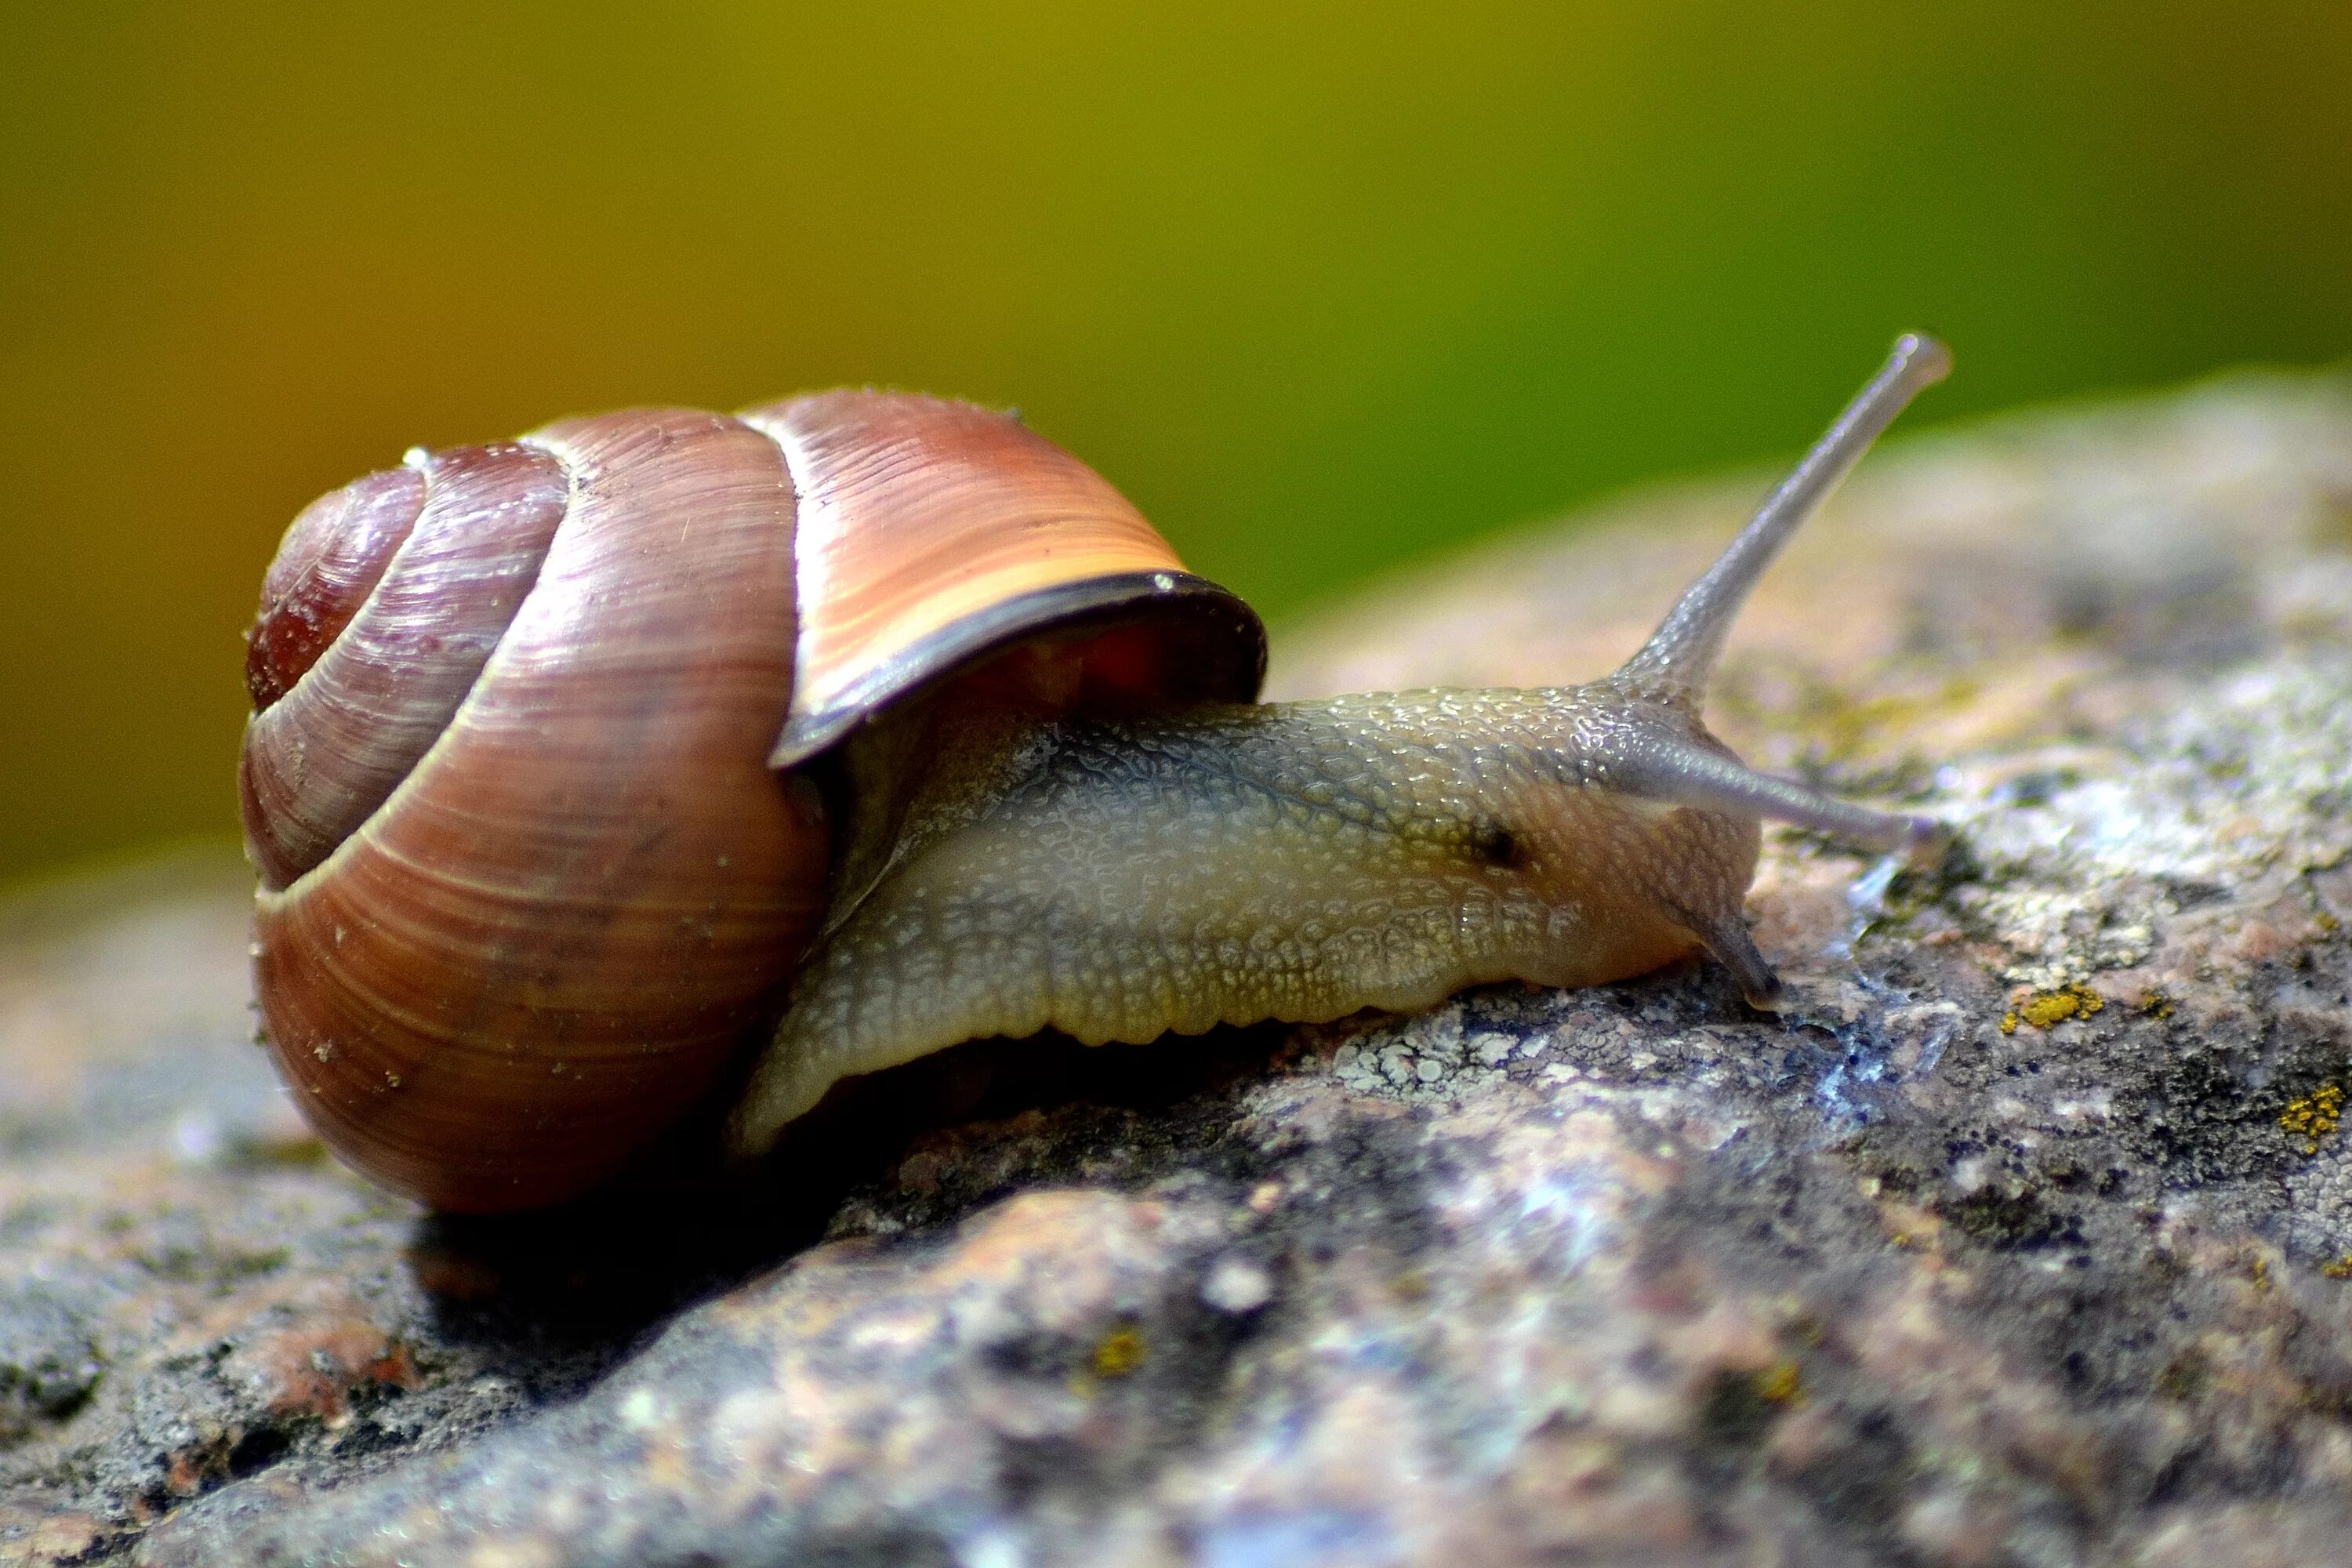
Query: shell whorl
point(528, 878)
point(351, 695)
point(548, 937)
point(931, 531)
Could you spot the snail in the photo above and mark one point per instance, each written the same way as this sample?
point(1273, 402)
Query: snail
point(876, 723)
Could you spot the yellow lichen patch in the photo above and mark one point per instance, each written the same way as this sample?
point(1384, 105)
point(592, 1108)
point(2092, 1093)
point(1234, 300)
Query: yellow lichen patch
point(2048, 1009)
point(1780, 1383)
point(2339, 1270)
point(2314, 1116)
point(1120, 1352)
point(2156, 1005)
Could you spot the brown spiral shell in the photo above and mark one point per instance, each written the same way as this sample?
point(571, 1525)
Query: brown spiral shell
point(529, 876)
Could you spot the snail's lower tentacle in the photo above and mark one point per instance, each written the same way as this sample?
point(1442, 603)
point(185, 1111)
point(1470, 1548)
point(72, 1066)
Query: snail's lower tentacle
point(1675, 768)
point(1727, 942)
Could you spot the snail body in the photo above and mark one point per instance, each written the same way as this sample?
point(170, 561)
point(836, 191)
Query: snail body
point(937, 740)
point(1229, 864)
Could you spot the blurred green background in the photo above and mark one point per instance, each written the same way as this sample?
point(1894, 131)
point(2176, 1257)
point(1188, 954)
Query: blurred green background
point(1321, 286)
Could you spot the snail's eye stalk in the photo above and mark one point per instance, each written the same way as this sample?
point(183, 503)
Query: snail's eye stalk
point(1680, 656)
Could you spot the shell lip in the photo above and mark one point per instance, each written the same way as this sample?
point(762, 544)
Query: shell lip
point(1216, 622)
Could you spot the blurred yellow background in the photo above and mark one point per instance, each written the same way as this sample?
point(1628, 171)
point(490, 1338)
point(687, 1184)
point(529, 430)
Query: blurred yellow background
point(1321, 286)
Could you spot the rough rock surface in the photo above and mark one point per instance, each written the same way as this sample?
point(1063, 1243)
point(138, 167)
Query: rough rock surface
point(2024, 1238)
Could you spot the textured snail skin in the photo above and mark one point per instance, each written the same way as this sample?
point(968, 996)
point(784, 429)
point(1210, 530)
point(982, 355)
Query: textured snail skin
point(1218, 864)
point(1300, 861)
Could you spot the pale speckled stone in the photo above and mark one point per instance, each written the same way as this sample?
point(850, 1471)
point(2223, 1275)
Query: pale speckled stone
point(1629, 1274)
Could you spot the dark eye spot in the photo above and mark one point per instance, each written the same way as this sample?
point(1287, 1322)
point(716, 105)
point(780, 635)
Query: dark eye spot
point(1491, 844)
